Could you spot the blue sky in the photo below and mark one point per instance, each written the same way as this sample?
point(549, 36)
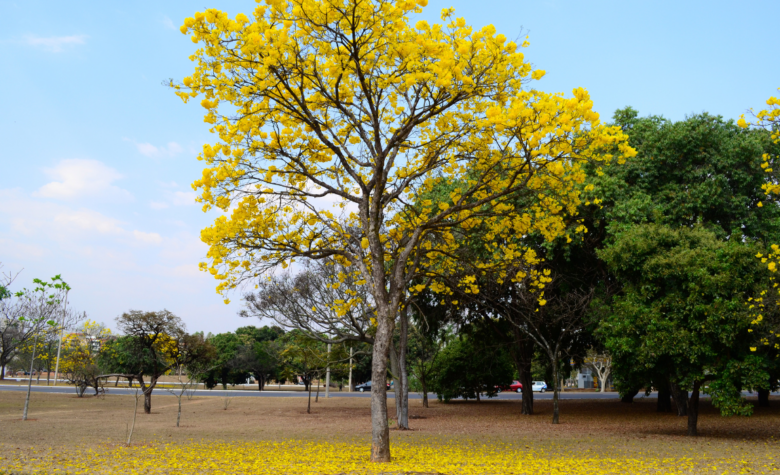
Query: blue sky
point(97, 156)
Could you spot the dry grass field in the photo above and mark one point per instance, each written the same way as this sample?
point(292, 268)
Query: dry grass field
point(253, 434)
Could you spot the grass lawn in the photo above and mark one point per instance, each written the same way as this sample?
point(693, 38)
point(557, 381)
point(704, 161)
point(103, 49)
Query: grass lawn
point(276, 435)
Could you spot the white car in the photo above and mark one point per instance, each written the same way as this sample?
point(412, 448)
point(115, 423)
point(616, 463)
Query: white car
point(539, 386)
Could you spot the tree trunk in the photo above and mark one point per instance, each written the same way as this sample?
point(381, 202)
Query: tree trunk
point(317, 397)
point(2, 372)
point(693, 410)
point(147, 390)
point(523, 354)
point(147, 402)
point(680, 397)
point(29, 380)
point(178, 415)
point(555, 378)
point(395, 372)
point(664, 403)
point(629, 397)
point(403, 412)
point(424, 385)
point(135, 413)
point(380, 430)
point(604, 379)
point(308, 409)
point(763, 398)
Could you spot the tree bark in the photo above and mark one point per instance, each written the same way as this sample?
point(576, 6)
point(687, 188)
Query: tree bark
point(664, 399)
point(29, 381)
point(693, 410)
point(680, 397)
point(395, 372)
point(763, 398)
point(380, 430)
point(308, 408)
point(556, 377)
point(147, 390)
point(629, 397)
point(178, 415)
point(403, 412)
point(2, 372)
point(424, 385)
point(604, 377)
point(317, 397)
point(522, 354)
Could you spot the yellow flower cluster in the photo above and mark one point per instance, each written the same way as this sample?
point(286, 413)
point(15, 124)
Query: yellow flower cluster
point(771, 336)
point(301, 457)
point(770, 119)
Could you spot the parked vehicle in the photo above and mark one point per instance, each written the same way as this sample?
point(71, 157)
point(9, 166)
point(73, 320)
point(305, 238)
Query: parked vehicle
point(366, 387)
point(516, 386)
point(539, 386)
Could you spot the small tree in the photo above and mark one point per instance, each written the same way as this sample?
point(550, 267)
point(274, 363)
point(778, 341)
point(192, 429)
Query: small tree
point(424, 351)
point(308, 358)
point(601, 363)
point(80, 357)
point(195, 369)
point(471, 364)
point(154, 343)
point(28, 316)
point(259, 358)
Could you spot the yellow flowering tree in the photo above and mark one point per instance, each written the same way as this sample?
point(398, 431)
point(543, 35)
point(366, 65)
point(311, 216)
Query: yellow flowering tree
point(80, 351)
point(767, 307)
point(335, 117)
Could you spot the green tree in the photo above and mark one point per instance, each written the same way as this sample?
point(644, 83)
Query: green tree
point(225, 369)
point(702, 171)
point(683, 308)
point(472, 364)
point(154, 343)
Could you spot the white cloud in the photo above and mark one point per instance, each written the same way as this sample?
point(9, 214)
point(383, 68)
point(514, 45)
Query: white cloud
point(88, 220)
point(75, 178)
point(158, 205)
point(147, 238)
point(152, 151)
point(55, 44)
point(168, 23)
point(184, 198)
point(22, 251)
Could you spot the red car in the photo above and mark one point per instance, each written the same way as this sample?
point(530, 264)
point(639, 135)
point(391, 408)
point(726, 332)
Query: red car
point(515, 386)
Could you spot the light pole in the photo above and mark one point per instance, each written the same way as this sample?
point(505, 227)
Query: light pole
point(350, 369)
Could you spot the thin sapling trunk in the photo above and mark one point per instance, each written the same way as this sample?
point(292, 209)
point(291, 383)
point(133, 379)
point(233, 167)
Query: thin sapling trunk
point(29, 380)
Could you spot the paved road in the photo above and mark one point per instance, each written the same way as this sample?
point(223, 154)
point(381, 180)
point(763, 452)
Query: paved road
point(245, 393)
